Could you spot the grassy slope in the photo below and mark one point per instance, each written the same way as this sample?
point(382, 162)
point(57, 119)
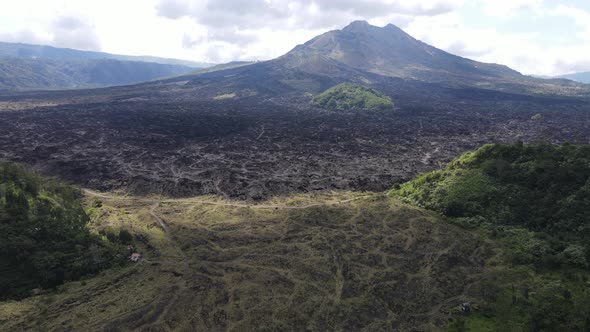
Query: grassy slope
point(372, 263)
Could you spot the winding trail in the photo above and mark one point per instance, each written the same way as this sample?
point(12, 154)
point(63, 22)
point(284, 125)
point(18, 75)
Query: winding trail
point(147, 315)
point(221, 192)
point(170, 237)
point(261, 133)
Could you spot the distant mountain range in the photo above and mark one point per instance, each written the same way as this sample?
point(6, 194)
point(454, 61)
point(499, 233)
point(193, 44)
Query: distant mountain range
point(28, 51)
point(18, 73)
point(24, 66)
point(583, 77)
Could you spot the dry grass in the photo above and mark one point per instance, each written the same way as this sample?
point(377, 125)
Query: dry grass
point(372, 263)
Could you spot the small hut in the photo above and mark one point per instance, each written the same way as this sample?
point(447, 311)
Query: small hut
point(135, 257)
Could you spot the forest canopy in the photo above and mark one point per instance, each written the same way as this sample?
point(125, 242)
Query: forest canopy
point(44, 240)
point(542, 188)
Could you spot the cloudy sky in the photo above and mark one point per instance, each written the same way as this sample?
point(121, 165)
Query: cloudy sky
point(533, 36)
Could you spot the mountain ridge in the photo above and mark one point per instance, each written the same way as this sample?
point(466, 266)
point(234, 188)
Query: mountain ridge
point(30, 51)
point(26, 74)
point(582, 77)
point(27, 66)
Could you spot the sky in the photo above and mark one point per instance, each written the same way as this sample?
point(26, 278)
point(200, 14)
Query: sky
point(542, 37)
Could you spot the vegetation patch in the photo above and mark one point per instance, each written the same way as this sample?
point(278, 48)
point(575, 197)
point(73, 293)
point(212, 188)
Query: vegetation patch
point(43, 236)
point(533, 200)
point(349, 96)
point(544, 189)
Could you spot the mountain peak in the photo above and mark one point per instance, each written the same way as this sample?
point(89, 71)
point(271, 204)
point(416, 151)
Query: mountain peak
point(361, 25)
point(387, 51)
point(358, 24)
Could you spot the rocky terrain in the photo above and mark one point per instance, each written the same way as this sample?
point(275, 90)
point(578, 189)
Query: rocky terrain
point(252, 149)
point(252, 131)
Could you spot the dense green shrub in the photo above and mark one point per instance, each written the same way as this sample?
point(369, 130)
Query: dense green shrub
point(125, 236)
point(349, 96)
point(43, 236)
point(534, 202)
point(544, 189)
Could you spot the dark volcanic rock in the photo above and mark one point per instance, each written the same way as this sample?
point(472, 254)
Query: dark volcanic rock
point(251, 131)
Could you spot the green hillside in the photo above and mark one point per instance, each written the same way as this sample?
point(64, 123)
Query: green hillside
point(535, 202)
point(542, 188)
point(349, 96)
point(43, 236)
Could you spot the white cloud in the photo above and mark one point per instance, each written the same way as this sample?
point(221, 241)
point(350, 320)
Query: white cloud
point(483, 44)
point(503, 9)
point(523, 50)
point(579, 16)
point(263, 29)
point(288, 13)
point(74, 32)
point(65, 31)
point(27, 36)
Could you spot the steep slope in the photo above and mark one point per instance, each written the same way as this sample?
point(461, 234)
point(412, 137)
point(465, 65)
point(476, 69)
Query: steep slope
point(390, 51)
point(18, 73)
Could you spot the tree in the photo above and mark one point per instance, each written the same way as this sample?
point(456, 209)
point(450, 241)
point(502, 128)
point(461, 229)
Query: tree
point(125, 237)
